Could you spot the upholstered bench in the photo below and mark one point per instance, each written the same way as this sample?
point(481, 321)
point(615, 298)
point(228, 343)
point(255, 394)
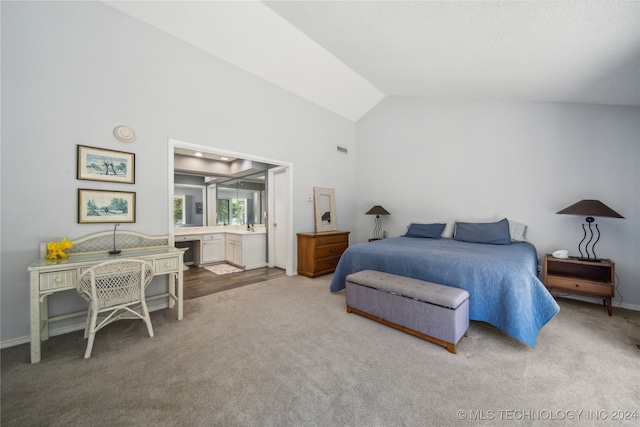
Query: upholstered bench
point(434, 312)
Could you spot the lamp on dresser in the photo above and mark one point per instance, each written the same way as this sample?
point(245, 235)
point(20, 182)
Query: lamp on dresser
point(590, 208)
point(377, 210)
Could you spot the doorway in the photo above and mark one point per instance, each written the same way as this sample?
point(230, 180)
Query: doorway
point(278, 194)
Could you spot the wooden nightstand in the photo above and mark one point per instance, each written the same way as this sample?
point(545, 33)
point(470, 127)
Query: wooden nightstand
point(590, 279)
point(319, 253)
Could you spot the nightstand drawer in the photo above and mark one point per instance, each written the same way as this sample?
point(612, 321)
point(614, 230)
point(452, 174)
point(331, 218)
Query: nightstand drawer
point(166, 265)
point(59, 279)
point(573, 285)
point(331, 250)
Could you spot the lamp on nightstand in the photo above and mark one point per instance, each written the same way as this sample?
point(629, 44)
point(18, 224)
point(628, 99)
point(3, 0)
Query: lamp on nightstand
point(590, 208)
point(377, 210)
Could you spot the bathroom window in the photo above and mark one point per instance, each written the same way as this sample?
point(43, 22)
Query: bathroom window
point(178, 209)
point(232, 211)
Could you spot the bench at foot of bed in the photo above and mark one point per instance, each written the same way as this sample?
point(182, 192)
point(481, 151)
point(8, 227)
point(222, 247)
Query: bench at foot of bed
point(434, 312)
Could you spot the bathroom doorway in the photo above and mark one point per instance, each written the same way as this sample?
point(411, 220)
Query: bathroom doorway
point(278, 191)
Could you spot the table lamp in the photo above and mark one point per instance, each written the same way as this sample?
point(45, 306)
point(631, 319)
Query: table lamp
point(590, 208)
point(377, 210)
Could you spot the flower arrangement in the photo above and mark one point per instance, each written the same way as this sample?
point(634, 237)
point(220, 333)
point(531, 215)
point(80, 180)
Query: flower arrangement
point(57, 249)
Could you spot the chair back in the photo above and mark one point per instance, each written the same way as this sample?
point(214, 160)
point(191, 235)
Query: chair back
point(115, 282)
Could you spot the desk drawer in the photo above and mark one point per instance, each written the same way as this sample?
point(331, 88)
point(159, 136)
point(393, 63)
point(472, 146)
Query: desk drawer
point(187, 238)
point(166, 265)
point(58, 279)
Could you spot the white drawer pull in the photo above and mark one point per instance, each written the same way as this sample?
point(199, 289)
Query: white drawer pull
point(58, 279)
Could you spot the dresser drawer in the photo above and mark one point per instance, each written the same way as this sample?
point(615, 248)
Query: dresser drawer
point(58, 279)
point(326, 264)
point(330, 250)
point(166, 265)
point(327, 240)
point(573, 285)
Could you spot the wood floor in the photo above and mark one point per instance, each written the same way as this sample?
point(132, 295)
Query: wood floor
point(199, 282)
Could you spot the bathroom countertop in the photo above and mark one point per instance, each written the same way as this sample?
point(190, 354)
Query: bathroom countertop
point(227, 229)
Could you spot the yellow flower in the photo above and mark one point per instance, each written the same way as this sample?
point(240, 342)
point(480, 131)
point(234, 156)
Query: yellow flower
point(57, 250)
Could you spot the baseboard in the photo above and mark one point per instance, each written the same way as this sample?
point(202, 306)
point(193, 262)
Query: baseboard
point(59, 330)
point(614, 304)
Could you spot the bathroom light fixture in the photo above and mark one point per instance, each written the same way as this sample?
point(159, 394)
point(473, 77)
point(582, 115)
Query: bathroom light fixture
point(377, 210)
point(590, 208)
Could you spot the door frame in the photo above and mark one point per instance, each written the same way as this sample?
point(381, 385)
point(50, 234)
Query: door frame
point(173, 143)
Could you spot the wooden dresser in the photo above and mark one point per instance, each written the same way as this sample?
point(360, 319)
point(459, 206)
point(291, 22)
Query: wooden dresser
point(319, 253)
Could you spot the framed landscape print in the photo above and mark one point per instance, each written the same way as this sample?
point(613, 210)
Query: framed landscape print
point(106, 206)
point(97, 164)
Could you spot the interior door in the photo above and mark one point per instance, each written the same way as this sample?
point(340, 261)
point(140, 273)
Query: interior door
point(279, 221)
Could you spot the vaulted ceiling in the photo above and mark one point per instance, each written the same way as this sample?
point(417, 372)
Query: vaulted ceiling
point(346, 56)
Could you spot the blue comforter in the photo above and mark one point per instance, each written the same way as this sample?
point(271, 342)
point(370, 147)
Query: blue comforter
point(501, 279)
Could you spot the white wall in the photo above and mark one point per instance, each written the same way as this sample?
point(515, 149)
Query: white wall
point(440, 160)
point(72, 71)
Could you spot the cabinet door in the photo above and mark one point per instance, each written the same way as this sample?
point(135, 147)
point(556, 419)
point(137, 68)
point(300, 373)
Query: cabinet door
point(237, 253)
point(234, 252)
point(229, 251)
point(212, 251)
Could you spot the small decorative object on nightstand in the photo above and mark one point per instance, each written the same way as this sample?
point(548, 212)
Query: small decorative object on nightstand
point(586, 278)
point(377, 210)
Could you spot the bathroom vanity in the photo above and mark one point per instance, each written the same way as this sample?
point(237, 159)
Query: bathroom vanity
point(233, 244)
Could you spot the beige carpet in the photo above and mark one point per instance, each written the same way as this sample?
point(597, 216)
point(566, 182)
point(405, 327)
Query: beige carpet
point(285, 353)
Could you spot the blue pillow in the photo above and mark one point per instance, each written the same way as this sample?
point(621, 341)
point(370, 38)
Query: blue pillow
point(432, 231)
point(495, 233)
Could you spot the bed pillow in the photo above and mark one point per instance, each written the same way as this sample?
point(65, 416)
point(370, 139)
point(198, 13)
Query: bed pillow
point(518, 231)
point(432, 231)
point(495, 233)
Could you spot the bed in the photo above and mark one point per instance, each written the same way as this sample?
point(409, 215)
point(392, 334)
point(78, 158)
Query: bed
point(500, 278)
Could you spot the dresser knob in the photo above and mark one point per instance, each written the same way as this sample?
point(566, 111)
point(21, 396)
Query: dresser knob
point(58, 279)
point(333, 251)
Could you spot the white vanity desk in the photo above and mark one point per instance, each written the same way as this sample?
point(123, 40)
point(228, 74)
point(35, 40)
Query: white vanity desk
point(50, 276)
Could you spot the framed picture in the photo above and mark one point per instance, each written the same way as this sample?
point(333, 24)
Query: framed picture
point(97, 164)
point(106, 206)
point(199, 207)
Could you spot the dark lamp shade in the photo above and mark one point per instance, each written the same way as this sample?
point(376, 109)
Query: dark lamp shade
point(590, 208)
point(377, 210)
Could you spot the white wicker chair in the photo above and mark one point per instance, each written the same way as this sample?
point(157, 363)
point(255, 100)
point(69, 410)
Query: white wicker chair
point(116, 290)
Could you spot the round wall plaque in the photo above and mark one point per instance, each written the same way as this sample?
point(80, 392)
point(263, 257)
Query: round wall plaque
point(124, 133)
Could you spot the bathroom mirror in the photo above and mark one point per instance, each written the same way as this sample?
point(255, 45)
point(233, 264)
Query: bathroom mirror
point(325, 209)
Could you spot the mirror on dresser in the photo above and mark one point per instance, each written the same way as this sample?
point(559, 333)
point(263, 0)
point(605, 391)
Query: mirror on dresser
point(325, 209)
